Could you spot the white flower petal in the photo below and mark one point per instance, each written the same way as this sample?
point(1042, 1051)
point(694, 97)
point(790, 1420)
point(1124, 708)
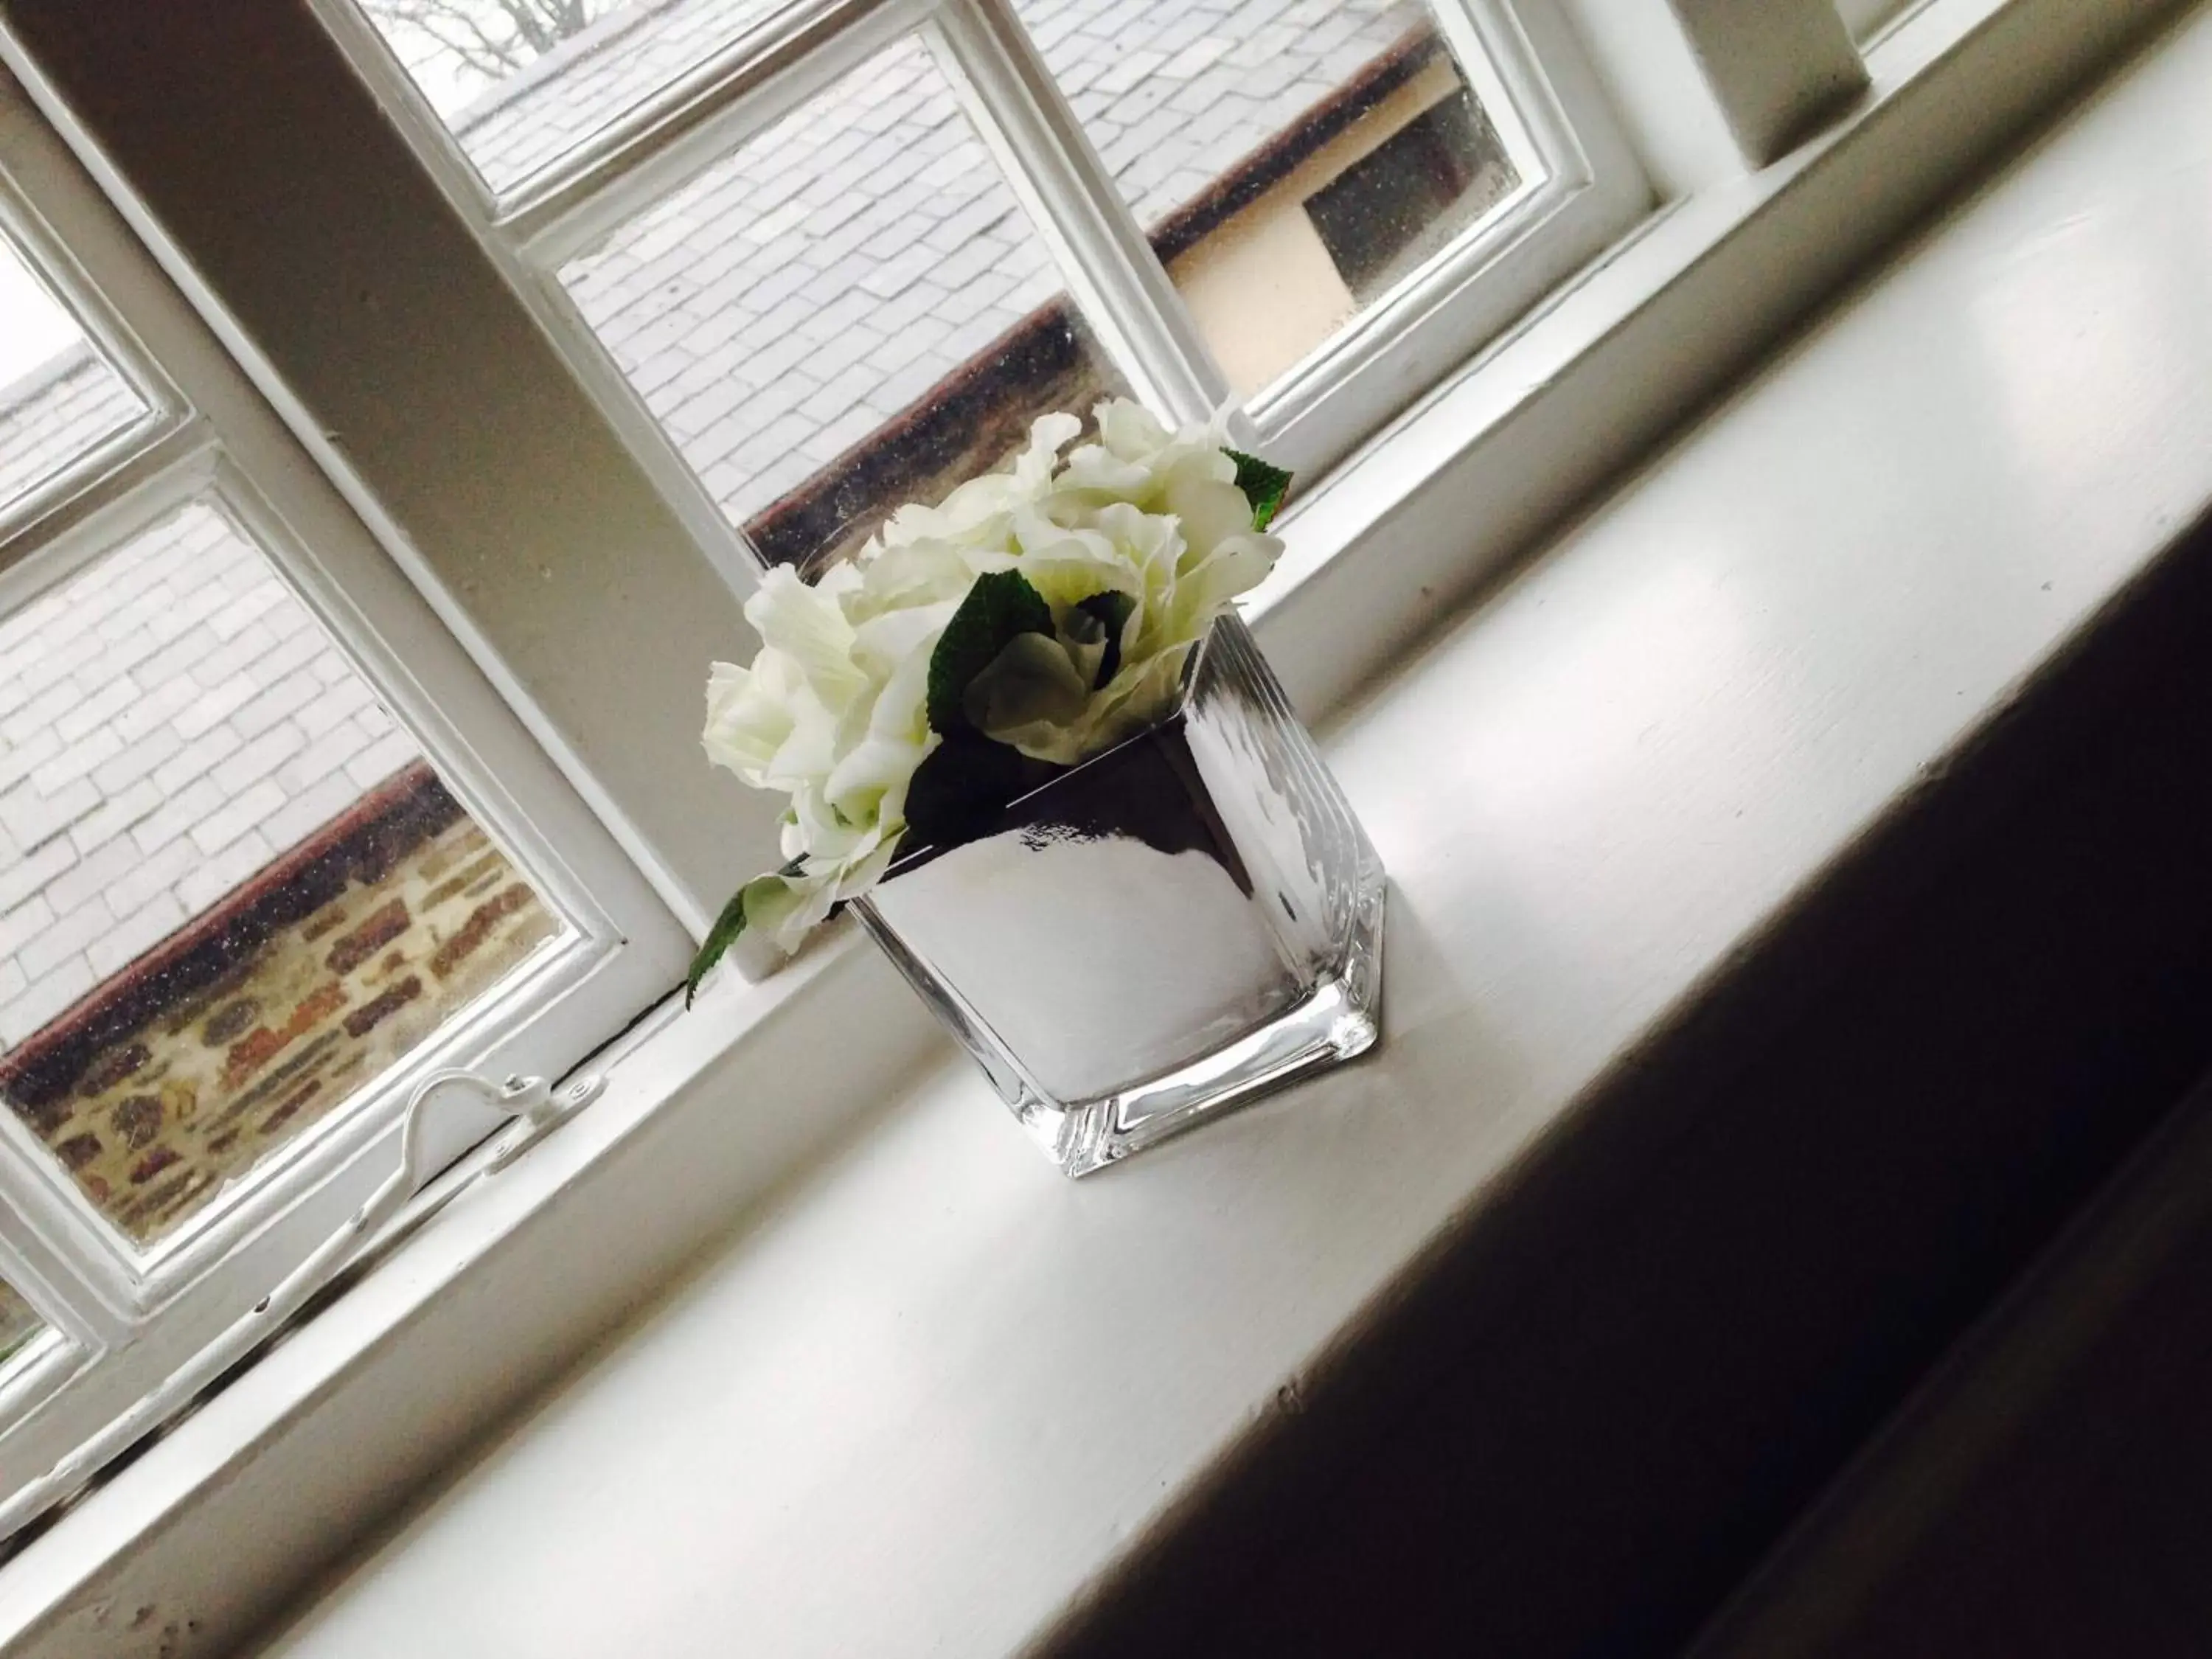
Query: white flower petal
point(1129, 430)
point(746, 721)
point(1093, 470)
point(811, 747)
point(1239, 565)
point(882, 643)
point(1209, 512)
point(880, 763)
point(1048, 435)
point(809, 627)
point(1030, 683)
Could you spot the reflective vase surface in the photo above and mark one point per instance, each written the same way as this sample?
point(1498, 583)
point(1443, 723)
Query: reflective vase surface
point(1159, 935)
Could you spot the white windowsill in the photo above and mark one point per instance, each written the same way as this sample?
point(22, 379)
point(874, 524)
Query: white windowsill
point(1588, 793)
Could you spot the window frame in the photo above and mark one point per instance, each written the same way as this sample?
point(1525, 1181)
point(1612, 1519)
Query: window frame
point(120, 1316)
point(119, 1319)
point(1869, 20)
point(1521, 58)
point(139, 448)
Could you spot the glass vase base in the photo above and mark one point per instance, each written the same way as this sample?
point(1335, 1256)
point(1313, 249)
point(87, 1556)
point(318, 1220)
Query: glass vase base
point(1334, 1023)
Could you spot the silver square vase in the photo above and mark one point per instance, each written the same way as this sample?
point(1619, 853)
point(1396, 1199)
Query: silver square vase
point(1158, 935)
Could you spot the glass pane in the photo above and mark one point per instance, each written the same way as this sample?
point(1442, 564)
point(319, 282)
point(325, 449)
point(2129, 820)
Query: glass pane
point(850, 312)
point(520, 82)
point(232, 892)
point(58, 397)
point(1291, 162)
point(18, 1324)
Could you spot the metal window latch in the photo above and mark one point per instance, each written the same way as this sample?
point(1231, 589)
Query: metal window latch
point(536, 1106)
point(536, 1109)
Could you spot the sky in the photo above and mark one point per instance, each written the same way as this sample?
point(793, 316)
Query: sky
point(32, 328)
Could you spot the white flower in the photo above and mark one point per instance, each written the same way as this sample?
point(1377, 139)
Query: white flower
point(1151, 516)
point(834, 716)
point(1136, 544)
point(976, 514)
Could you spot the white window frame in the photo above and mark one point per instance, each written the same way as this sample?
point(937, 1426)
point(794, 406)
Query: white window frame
point(121, 1318)
point(1582, 188)
point(139, 447)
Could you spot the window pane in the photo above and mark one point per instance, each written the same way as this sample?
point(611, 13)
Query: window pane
point(1291, 160)
point(520, 82)
point(18, 1324)
point(58, 397)
point(850, 312)
point(231, 891)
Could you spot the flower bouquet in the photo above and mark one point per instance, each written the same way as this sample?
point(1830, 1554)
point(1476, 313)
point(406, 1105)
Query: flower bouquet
point(1026, 737)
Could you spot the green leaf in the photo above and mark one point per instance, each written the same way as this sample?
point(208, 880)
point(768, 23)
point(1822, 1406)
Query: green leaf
point(1000, 604)
point(719, 938)
point(961, 787)
point(1263, 485)
point(728, 928)
point(1111, 608)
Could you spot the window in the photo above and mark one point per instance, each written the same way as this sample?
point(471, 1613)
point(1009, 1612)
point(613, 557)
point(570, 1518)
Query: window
point(827, 258)
point(1222, 129)
point(1395, 197)
point(848, 312)
point(524, 85)
point(242, 895)
point(1867, 18)
point(255, 880)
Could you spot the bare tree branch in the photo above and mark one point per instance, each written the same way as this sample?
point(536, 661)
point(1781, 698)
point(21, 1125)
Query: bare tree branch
point(491, 38)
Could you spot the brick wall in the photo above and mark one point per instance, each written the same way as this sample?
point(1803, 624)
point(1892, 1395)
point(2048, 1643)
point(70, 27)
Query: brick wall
point(240, 1034)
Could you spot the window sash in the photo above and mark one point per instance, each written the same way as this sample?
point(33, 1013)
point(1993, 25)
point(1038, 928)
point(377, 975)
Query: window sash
point(625, 753)
point(122, 457)
point(1582, 187)
point(121, 1318)
point(1867, 20)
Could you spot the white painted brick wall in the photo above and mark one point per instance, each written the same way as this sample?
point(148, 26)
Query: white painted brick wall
point(172, 719)
point(238, 816)
point(239, 858)
point(46, 995)
point(138, 933)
